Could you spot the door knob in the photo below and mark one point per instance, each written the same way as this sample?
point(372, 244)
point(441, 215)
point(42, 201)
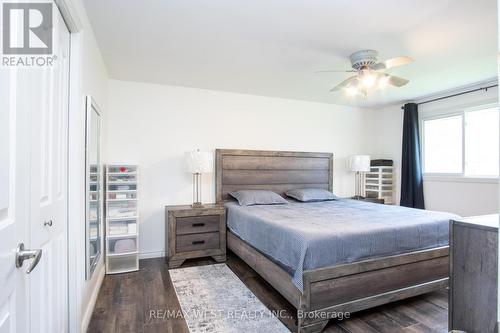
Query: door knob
point(47, 223)
point(22, 255)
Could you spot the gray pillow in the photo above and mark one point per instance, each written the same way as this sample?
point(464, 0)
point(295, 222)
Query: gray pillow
point(311, 194)
point(258, 197)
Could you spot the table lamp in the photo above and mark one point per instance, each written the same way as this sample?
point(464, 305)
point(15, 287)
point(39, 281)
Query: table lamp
point(197, 163)
point(359, 164)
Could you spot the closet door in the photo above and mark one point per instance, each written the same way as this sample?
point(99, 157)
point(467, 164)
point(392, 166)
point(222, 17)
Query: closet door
point(49, 195)
point(14, 206)
point(33, 192)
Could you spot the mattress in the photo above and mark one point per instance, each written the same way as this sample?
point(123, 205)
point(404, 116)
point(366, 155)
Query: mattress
point(305, 236)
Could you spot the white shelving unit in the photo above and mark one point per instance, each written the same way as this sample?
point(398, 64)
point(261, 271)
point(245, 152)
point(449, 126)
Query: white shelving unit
point(379, 183)
point(122, 228)
point(95, 212)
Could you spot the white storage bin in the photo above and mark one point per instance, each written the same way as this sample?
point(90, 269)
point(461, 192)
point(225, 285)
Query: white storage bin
point(121, 196)
point(122, 245)
point(121, 264)
point(122, 187)
point(119, 209)
point(121, 169)
point(122, 178)
point(122, 227)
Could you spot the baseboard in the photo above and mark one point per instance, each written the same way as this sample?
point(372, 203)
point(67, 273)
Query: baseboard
point(150, 255)
point(87, 315)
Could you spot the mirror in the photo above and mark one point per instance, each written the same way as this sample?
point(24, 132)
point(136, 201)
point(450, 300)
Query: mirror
point(93, 186)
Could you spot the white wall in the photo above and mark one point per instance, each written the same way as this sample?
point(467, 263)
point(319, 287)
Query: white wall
point(153, 125)
point(88, 63)
point(386, 133)
point(462, 197)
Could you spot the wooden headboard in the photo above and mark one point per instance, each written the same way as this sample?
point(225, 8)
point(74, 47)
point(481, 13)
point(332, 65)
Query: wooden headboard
point(276, 171)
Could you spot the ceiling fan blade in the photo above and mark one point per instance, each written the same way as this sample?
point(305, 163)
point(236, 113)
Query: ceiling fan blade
point(337, 71)
point(397, 81)
point(378, 66)
point(344, 83)
point(398, 61)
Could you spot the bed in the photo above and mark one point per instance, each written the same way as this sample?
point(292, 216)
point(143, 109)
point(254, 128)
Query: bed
point(377, 254)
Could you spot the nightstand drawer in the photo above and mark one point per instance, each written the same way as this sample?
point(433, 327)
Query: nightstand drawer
point(195, 242)
point(197, 224)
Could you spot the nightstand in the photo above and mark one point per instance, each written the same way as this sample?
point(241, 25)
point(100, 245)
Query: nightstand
point(374, 200)
point(195, 233)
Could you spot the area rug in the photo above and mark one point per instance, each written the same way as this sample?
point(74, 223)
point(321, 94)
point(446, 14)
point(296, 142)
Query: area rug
point(214, 300)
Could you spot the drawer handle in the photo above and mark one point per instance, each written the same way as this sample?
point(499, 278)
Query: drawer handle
point(198, 224)
point(198, 242)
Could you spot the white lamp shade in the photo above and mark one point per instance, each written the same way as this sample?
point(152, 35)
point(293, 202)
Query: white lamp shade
point(359, 163)
point(199, 162)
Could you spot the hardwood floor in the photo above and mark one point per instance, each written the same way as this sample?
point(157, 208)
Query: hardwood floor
point(128, 303)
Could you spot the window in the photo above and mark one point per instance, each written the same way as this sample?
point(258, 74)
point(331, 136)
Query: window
point(443, 145)
point(481, 142)
point(463, 144)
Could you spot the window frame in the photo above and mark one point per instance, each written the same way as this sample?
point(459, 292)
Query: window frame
point(461, 176)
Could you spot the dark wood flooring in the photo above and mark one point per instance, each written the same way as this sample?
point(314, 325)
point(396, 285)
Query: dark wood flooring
point(126, 303)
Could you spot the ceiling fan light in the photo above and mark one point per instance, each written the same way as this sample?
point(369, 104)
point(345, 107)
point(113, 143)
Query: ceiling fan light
point(368, 80)
point(351, 91)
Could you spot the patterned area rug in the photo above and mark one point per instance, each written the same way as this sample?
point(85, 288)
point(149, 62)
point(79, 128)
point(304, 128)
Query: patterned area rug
point(214, 300)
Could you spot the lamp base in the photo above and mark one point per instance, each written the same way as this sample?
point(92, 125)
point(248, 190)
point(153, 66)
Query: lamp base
point(197, 205)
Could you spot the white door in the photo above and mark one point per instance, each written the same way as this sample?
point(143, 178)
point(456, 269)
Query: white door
point(35, 211)
point(49, 195)
point(14, 205)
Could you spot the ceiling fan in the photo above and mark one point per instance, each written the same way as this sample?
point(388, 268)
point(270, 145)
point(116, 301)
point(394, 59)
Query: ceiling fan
point(369, 77)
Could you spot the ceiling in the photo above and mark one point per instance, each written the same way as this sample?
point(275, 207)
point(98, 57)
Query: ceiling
point(273, 47)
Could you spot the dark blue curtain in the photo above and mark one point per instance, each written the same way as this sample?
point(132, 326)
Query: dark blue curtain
point(412, 187)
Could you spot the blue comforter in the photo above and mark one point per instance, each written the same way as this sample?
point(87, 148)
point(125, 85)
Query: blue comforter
point(305, 236)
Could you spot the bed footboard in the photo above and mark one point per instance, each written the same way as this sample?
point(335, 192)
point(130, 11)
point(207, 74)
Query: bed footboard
point(336, 290)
